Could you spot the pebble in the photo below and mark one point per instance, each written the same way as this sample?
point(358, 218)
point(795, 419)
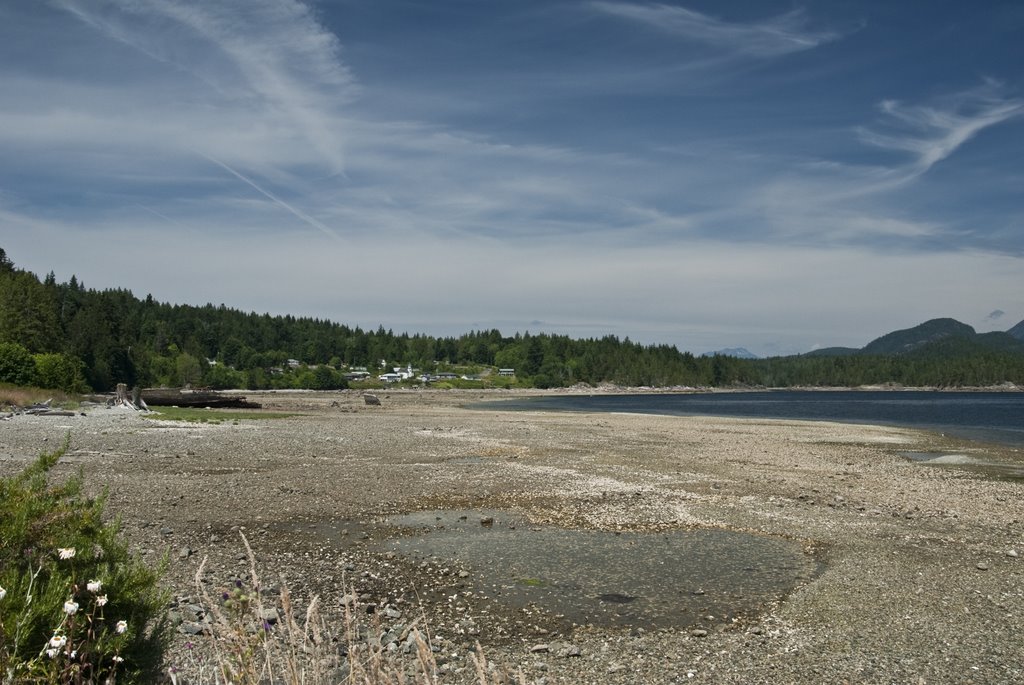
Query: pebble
point(192, 628)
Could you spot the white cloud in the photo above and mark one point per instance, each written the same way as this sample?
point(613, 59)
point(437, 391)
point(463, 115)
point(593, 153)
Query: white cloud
point(772, 37)
point(700, 295)
point(264, 70)
point(932, 133)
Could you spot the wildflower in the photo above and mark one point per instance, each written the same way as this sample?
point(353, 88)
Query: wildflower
point(3, 592)
point(101, 600)
point(58, 641)
point(94, 586)
point(70, 607)
point(118, 659)
point(52, 653)
point(121, 627)
point(65, 552)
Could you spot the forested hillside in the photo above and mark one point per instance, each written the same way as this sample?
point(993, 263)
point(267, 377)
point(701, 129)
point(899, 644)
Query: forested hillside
point(67, 336)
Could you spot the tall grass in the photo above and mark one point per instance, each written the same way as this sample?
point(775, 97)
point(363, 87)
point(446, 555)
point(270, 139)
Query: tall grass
point(302, 648)
point(13, 396)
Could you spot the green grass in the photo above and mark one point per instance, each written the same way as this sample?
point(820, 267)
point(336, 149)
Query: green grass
point(532, 582)
point(214, 416)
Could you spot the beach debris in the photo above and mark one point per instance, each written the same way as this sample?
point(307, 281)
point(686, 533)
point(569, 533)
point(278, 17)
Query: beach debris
point(37, 409)
point(199, 397)
point(371, 399)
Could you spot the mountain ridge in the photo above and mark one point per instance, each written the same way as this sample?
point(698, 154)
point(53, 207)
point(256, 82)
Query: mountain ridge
point(944, 336)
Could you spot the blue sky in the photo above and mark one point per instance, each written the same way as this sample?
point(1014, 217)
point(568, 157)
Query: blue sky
point(775, 175)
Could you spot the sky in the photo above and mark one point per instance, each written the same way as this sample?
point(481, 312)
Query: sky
point(775, 175)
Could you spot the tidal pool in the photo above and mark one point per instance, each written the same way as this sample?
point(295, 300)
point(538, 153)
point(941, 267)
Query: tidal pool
point(650, 580)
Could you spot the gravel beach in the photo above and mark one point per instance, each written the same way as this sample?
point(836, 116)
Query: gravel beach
point(915, 575)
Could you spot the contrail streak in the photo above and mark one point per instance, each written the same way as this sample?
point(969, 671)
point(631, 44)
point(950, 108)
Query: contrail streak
point(276, 200)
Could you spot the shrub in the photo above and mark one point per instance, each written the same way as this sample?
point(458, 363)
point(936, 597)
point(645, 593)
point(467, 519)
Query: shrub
point(60, 372)
point(75, 605)
point(16, 364)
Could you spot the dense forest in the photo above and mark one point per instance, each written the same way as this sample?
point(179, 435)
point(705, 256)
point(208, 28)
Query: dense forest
point(66, 336)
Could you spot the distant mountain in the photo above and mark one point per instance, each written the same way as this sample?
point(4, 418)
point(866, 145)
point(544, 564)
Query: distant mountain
point(738, 352)
point(910, 339)
point(937, 337)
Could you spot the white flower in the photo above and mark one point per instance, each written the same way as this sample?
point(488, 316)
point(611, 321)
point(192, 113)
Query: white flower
point(3, 592)
point(101, 600)
point(70, 607)
point(66, 552)
point(118, 659)
point(121, 627)
point(94, 585)
point(58, 641)
point(52, 653)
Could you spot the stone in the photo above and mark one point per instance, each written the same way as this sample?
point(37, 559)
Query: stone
point(982, 566)
point(540, 649)
point(697, 632)
point(192, 628)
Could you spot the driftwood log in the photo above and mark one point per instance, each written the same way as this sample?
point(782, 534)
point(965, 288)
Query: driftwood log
point(177, 397)
point(38, 409)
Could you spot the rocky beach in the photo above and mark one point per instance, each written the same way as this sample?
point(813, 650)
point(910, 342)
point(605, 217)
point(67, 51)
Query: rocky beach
point(899, 571)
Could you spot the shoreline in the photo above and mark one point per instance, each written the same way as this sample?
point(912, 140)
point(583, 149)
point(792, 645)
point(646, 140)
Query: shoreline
point(919, 582)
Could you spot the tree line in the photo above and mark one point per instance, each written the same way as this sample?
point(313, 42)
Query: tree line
point(67, 336)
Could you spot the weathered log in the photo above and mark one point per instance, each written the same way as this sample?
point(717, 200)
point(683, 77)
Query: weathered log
point(167, 397)
point(50, 412)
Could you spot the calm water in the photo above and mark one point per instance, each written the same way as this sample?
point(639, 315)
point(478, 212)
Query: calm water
point(672, 578)
point(985, 416)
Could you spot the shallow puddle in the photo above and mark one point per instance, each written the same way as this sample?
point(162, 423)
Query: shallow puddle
point(649, 580)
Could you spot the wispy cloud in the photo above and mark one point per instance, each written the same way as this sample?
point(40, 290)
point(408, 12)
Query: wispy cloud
point(931, 133)
point(268, 56)
point(771, 37)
